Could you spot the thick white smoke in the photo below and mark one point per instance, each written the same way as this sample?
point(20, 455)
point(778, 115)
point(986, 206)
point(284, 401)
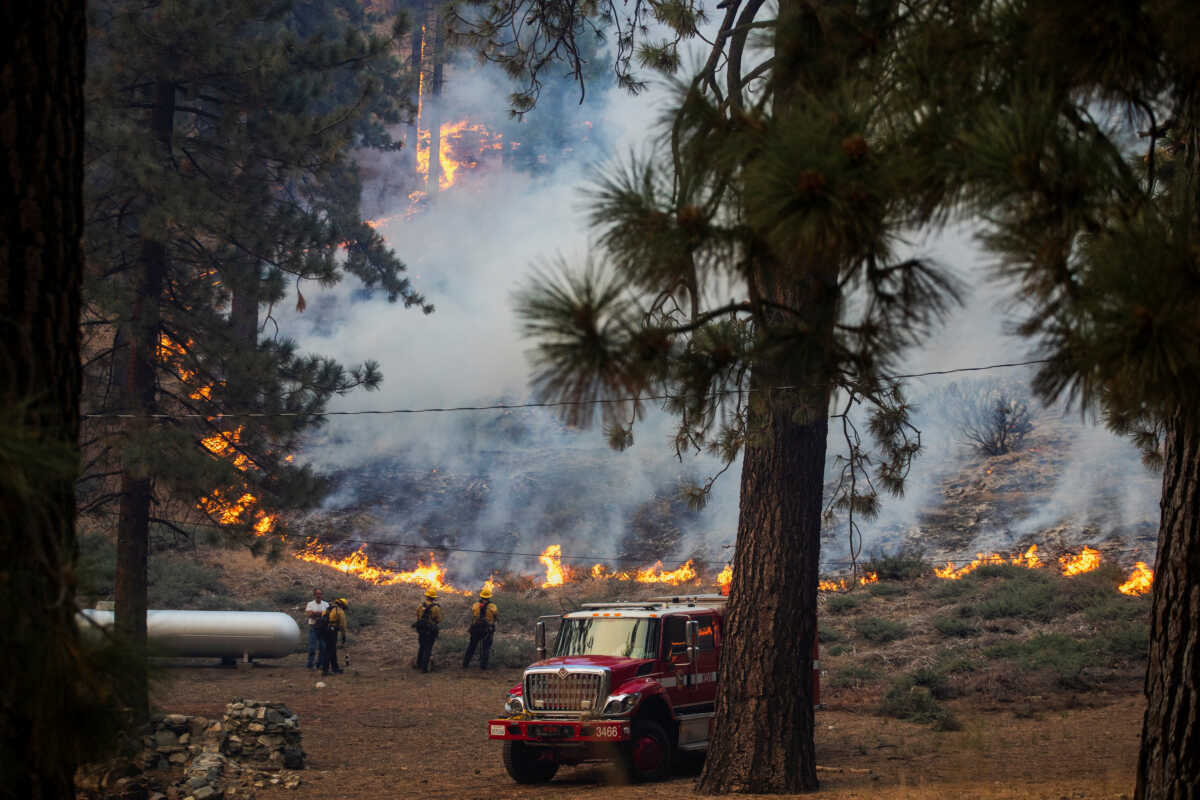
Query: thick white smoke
point(467, 253)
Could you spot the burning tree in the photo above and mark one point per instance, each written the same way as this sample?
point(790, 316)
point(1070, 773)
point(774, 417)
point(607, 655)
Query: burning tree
point(753, 273)
point(218, 176)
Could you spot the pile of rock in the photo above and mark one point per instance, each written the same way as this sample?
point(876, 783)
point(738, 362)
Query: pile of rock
point(262, 735)
point(196, 758)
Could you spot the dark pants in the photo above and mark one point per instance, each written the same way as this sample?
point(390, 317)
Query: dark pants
point(483, 640)
point(316, 647)
point(425, 649)
point(329, 662)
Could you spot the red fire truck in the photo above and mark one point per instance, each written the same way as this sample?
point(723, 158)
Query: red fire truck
point(631, 681)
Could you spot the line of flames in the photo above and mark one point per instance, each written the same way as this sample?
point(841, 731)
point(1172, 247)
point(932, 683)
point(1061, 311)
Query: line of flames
point(558, 574)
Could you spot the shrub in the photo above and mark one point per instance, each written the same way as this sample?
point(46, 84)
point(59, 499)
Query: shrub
point(907, 700)
point(292, 596)
point(825, 635)
point(1118, 608)
point(881, 631)
point(951, 590)
point(182, 583)
point(951, 664)
point(1064, 657)
point(97, 565)
point(362, 615)
point(519, 613)
point(1130, 641)
point(1023, 594)
point(840, 649)
point(853, 676)
point(839, 603)
point(907, 563)
point(991, 416)
point(886, 589)
point(954, 626)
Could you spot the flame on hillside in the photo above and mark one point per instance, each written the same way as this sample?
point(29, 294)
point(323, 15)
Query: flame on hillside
point(725, 578)
point(551, 558)
point(359, 565)
point(1028, 559)
point(1086, 561)
point(1141, 580)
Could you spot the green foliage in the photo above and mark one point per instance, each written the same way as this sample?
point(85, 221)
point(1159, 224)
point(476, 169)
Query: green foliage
point(364, 616)
point(886, 589)
point(907, 563)
point(853, 677)
point(1057, 653)
point(292, 596)
point(826, 634)
point(1129, 642)
point(954, 627)
point(908, 699)
point(880, 631)
point(1022, 594)
point(180, 583)
point(951, 590)
point(97, 566)
point(840, 603)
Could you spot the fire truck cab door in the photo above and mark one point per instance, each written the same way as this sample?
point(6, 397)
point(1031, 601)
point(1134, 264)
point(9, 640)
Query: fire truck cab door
point(692, 687)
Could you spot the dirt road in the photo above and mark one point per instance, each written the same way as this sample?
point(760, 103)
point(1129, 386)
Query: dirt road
point(383, 730)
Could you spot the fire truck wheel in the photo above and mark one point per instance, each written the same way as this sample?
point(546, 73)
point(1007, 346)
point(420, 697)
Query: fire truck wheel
point(529, 764)
point(648, 754)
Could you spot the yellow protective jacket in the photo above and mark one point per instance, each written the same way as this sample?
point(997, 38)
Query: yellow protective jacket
point(337, 619)
point(435, 614)
point(487, 610)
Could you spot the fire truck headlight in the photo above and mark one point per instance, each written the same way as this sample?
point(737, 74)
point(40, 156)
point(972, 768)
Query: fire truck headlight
point(513, 705)
point(621, 703)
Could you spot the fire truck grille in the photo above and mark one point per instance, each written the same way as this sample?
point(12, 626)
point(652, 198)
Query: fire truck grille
point(575, 692)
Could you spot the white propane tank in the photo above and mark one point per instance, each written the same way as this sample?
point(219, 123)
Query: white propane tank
point(215, 634)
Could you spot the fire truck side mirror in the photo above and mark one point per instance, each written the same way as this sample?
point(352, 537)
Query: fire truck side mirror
point(692, 636)
point(539, 637)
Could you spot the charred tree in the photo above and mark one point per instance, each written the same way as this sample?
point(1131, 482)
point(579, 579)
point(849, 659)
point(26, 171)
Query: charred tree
point(1169, 760)
point(41, 267)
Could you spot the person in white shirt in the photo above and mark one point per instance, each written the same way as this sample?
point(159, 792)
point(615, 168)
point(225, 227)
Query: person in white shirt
point(316, 643)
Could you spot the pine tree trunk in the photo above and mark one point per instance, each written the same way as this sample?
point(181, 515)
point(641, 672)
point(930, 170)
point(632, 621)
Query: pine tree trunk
point(435, 107)
point(139, 390)
point(1169, 761)
point(763, 732)
point(412, 134)
point(41, 267)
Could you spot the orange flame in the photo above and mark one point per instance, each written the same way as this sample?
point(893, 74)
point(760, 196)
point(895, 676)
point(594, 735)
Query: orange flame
point(359, 565)
point(1140, 580)
point(551, 558)
point(1086, 561)
point(725, 578)
point(656, 574)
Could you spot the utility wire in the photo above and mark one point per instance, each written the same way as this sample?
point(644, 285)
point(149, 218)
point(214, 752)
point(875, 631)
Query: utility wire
point(513, 406)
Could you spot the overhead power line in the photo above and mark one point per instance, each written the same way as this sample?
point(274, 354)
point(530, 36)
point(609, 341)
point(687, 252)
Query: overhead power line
point(514, 406)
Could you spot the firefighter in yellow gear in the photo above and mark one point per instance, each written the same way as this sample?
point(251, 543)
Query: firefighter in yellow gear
point(429, 617)
point(483, 627)
point(335, 626)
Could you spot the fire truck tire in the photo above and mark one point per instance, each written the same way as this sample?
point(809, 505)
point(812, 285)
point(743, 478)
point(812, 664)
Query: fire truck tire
point(528, 764)
point(647, 755)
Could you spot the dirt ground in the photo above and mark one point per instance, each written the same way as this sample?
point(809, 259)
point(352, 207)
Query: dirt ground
point(384, 730)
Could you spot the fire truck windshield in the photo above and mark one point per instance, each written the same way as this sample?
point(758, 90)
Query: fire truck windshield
point(606, 636)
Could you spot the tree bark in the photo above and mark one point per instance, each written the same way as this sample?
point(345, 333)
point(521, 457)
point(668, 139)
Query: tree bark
point(41, 267)
point(1169, 760)
point(435, 106)
point(412, 133)
point(139, 395)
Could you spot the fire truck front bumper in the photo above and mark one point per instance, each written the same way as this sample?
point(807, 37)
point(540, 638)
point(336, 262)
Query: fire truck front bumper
point(560, 731)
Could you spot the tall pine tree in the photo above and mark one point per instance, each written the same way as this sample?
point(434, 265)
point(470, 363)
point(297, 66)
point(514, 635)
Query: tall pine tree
point(1081, 153)
point(755, 270)
point(219, 178)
